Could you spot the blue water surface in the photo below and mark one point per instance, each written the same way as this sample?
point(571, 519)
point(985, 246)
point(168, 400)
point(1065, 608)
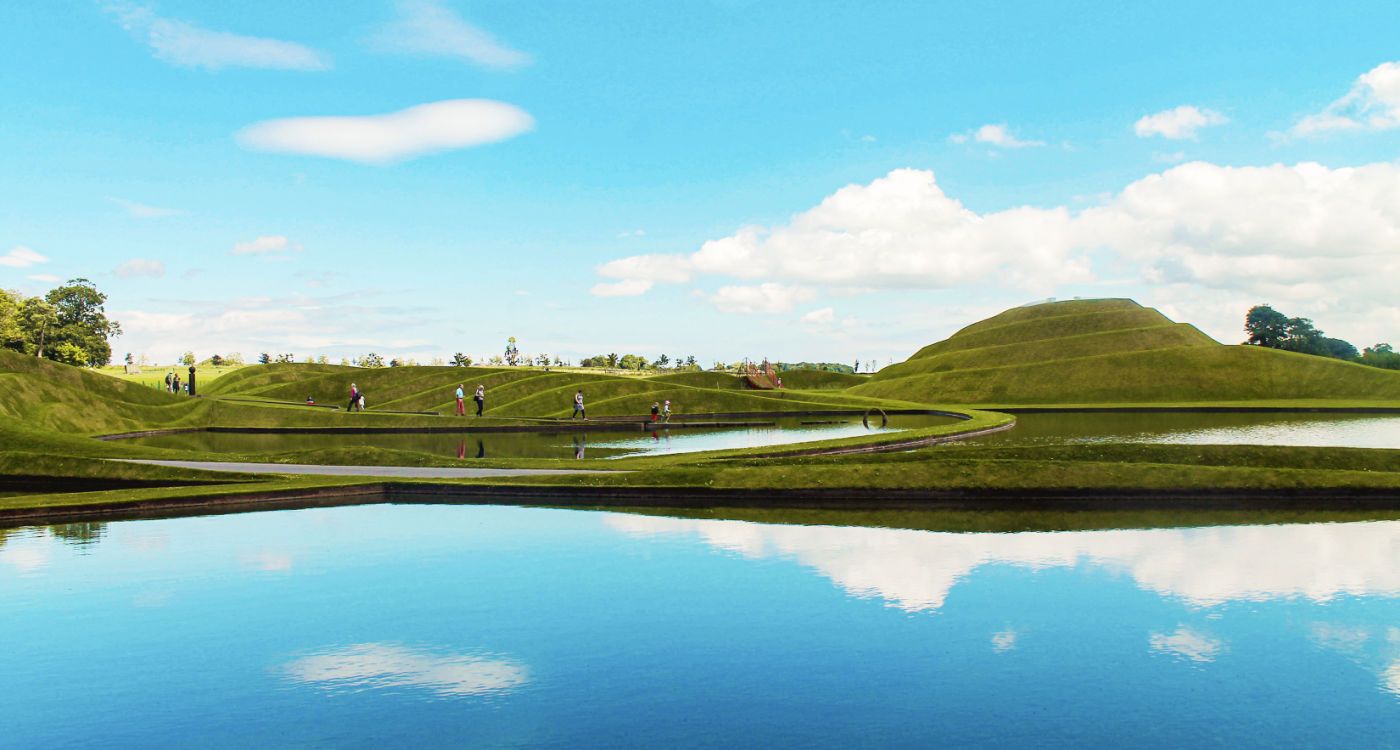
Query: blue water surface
point(459, 626)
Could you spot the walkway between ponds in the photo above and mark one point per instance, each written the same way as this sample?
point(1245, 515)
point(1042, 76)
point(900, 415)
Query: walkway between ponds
point(407, 472)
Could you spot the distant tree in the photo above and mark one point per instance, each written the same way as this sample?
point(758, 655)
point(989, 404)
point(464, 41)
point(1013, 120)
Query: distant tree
point(371, 360)
point(612, 360)
point(542, 360)
point(690, 362)
point(234, 359)
point(632, 362)
point(69, 353)
point(461, 360)
point(11, 327)
point(1266, 327)
point(216, 360)
point(82, 321)
point(558, 362)
point(264, 358)
point(322, 359)
point(1339, 349)
point(394, 362)
point(497, 360)
point(856, 367)
point(512, 352)
point(187, 359)
point(130, 360)
point(286, 358)
point(1381, 355)
point(662, 361)
point(438, 362)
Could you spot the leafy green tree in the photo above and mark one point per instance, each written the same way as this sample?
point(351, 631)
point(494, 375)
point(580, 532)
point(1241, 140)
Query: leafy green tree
point(187, 359)
point(371, 360)
point(1381, 355)
point(264, 358)
point(82, 320)
point(285, 358)
point(395, 362)
point(632, 362)
point(11, 328)
point(612, 360)
point(39, 319)
point(512, 352)
point(461, 360)
point(662, 361)
point(1265, 326)
point(234, 359)
point(69, 353)
point(690, 362)
point(1339, 349)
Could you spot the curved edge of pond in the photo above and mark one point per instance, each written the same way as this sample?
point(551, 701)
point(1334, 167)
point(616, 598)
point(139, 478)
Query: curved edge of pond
point(604, 498)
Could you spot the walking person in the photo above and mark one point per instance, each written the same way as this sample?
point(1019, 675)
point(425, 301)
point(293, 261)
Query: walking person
point(480, 399)
point(655, 411)
point(354, 397)
point(578, 406)
point(168, 387)
point(461, 401)
point(175, 384)
point(666, 412)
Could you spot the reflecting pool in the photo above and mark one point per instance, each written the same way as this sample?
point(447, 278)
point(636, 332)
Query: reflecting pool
point(457, 626)
point(1301, 429)
point(594, 444)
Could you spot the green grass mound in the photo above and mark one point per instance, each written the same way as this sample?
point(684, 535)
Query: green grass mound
point(820, 380)
point(1113, 351)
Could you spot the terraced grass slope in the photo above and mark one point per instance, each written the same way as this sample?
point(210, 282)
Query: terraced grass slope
point(529, 392)
point(1113, 351)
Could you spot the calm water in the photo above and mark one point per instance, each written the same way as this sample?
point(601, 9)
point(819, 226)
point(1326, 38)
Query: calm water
point(1328, 430)
point(554, 444)
point(420, 626)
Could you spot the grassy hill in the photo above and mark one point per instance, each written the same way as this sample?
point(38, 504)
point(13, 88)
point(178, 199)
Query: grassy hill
point(1113, 351)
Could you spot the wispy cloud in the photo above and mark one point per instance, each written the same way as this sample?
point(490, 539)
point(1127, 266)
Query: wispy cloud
point(140, 268)
point(184, 43)
point(624, 288)
point(429, 27)
point(994, 134)
point(1372, 104)
point(392, 137)
point(266, 245)
point(143, 211)
point(20, 256)
point(1178, 123)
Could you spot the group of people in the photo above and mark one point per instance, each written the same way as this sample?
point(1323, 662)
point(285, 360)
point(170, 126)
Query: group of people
point(172, 382)
point(479, 397)
point(661, 412)
point(357, 399)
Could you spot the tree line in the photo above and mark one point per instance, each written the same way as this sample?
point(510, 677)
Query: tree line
point(68, 325)
point(1270, 328)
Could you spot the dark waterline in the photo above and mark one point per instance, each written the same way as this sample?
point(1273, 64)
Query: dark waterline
point(411, 626)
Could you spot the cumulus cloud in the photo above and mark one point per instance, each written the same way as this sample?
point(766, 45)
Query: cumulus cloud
point(428, 27)
point(1327, 237)
point(994, 134)
point(1179, 123)
point(20, 256)
point(821, 317)
point(762, 298)
point(624, 288)
point(143, 211)
point(1373, 103)
point(184, 43)
point(140, 268)
point(396, 136)
point(266, 245)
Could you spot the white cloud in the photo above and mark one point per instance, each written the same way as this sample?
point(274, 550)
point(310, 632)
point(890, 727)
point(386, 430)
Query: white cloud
point(821, 317)
point(140, 268)
point(20, 256)
point(383, 665)
point(1179, 123)
point(1372, 104)
point(143, 211)
point(1187, 644)
point(1328, 239)
point(266, 245)
point(428, 27)
point(994, 134)
point(184, 43)
point(624, 288)
point(763, 298)
point(631, 233)
point(388, 138)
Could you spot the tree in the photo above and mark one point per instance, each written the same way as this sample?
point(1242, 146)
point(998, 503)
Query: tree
point(512, 353)
point(371, 360)
point(82, 320)
point(394, 362)
point(264, 358)
point(497, 361)
point(322, 359)
point(39, 319)
point(286, 359)
point(612, 360)
point(69, 353)
point(690, 362)
point(632, 362)
point(217, 360)
point(461, 360)
point(234, 359)
point(11, 328)
point(1381, 355)
point(662, 361)
point(1339, 349)
point(187, 359)
point(1266, 327)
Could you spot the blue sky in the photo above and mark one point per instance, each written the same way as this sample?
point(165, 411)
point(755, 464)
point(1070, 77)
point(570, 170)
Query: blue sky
point(827, 181)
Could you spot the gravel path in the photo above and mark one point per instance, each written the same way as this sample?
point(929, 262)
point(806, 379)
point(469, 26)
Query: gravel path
point(412, 472)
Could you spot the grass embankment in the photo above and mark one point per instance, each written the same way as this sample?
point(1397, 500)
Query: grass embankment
point(153, 376)
point(1115, 352)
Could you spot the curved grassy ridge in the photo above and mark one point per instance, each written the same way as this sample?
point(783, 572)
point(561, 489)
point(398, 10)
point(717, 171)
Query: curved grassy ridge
point(1113, 351)
point(820, 380)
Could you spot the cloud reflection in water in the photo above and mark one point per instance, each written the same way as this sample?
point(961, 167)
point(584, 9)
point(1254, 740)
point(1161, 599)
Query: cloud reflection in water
point(384, 665)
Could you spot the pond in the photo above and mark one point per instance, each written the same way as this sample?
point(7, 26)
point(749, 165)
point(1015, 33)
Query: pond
point(591, 444)
point(461, 626)
point(1299, 429)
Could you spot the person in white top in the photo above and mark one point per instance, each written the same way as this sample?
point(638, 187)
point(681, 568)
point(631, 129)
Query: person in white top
point(578, 406)
point(480, 399)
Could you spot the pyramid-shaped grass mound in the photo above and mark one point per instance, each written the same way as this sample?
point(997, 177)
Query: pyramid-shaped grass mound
point(1113, 351)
